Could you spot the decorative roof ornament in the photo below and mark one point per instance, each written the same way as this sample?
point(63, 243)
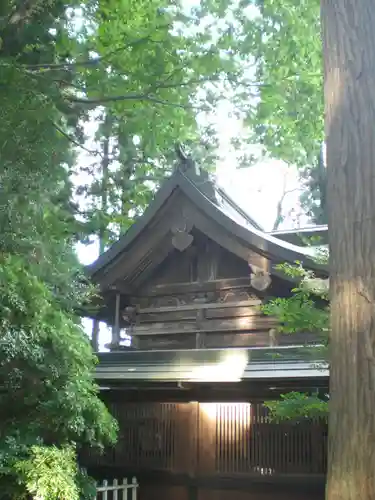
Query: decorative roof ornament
point(186, 162)
point(182, 238)
point(200, 177)
point(259, 278)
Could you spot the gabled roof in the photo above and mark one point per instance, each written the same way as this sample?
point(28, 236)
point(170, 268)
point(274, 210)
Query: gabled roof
point(219, 208)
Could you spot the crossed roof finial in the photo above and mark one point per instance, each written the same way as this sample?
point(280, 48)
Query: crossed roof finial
point(186, 162)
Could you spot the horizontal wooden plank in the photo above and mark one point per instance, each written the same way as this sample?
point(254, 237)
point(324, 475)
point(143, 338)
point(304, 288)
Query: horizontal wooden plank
point(275, 338)
point(251, 323)
point(233, 312)
point(211, 340)
point(176, 315)
point(199, 306)
point(165, 328)
point(255, 339)
point(175, 288)
point(189, 314)
point(166, 342)
point(217, 340)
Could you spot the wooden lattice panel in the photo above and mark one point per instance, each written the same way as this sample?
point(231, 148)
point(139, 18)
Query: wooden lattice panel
point(212, 438)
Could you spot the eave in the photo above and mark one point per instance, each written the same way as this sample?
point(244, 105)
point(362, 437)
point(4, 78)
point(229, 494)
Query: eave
point(212, 365)
point(296, 236)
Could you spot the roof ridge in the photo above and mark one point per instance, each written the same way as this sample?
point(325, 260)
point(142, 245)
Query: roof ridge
point(239, 209)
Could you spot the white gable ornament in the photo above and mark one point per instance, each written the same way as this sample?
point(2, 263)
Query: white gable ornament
point(259, 278)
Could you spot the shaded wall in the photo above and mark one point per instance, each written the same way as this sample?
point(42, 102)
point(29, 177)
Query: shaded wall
point(223, 451)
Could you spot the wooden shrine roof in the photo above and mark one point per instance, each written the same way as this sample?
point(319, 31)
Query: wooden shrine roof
point(212, 207)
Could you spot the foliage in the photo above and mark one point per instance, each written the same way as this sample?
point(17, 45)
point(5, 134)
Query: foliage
point(299, 312)
point(306, 310)
point(50, 473)
point(138, 73)
point(296, 406)
point(48, 396)
point(46, 366)
point(288, 119)
point(148, 111)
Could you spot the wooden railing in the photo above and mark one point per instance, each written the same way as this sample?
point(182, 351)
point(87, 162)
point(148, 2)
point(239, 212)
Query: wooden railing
point(123, 490)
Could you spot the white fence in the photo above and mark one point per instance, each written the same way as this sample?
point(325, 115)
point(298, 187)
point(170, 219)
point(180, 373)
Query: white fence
point(123, 490)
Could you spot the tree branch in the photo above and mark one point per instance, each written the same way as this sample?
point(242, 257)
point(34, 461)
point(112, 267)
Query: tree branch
point(149, 178)
point(63, 65)
point(90, 62)
point(185, 84)
point(145, 96)
point(76, 143)
point(279, 217)
point(129, 97)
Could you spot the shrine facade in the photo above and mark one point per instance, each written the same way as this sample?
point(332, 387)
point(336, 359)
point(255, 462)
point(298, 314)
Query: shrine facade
point(193, 358)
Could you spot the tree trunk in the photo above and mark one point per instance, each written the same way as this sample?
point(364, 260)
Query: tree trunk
point(349, 53)
point(128, 169)
point(104, 208)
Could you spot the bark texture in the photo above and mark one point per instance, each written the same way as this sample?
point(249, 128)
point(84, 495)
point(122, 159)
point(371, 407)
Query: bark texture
point(349, 53)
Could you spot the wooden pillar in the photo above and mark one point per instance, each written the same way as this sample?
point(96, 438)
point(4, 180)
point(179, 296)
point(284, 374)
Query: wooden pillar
point(116, 327)
point(207, 417)
point(95, 335)
point(186, 439)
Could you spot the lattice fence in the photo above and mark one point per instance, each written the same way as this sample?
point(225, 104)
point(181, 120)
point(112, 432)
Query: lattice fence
point(118, 490)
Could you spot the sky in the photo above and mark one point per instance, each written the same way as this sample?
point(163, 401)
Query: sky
point(259, 187)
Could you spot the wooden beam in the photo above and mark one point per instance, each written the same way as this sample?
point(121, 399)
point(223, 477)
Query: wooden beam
point(204, 286)
point(195, 307)
point(251, 323)
point(116, 327)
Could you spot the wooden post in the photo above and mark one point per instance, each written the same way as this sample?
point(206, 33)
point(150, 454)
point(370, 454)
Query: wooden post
point(207, 418)
point(185, 439)
point(115, 491)
point(105, 490)
point(116, 328)
point(125, 489)
point(134, 488)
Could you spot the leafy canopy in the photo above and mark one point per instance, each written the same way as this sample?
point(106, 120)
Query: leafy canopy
point(151, 68)
point(155, 78)
point(288, 118)
point(285, 39)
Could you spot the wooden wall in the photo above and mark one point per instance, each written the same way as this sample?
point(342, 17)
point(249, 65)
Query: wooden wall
point(214, 314)
point(187, 450)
